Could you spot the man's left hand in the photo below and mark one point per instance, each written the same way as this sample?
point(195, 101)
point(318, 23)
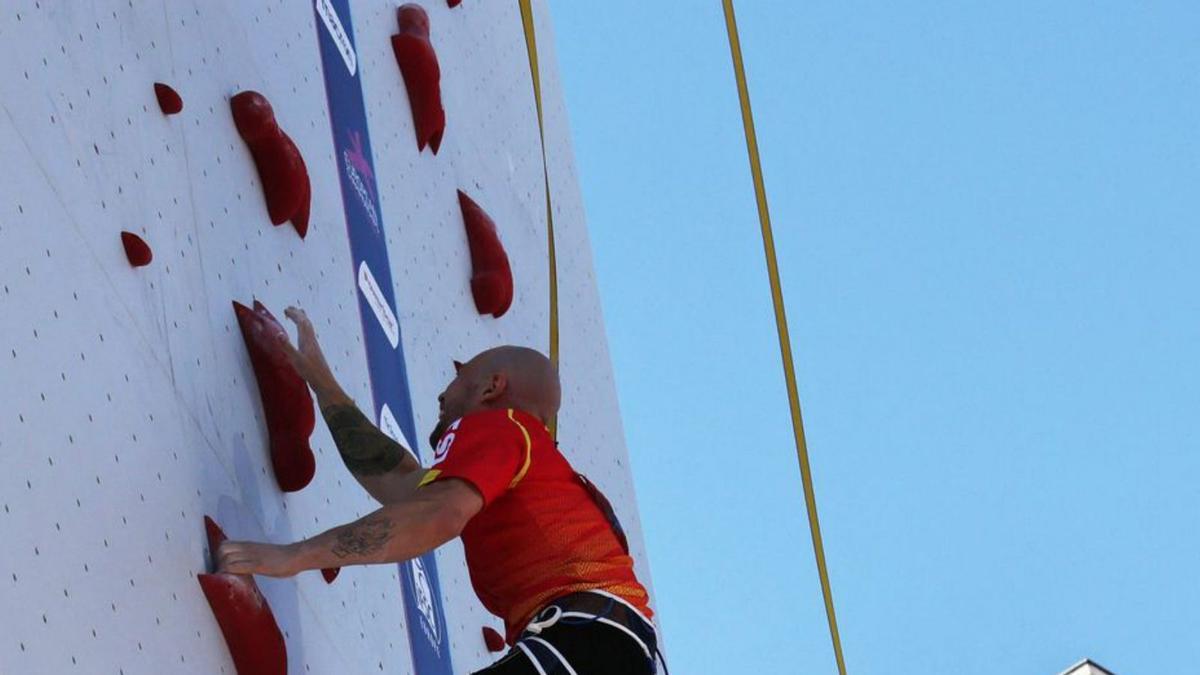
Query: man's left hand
point(249, 557)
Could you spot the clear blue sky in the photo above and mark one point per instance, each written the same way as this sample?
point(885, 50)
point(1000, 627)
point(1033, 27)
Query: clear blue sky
point(987, 218)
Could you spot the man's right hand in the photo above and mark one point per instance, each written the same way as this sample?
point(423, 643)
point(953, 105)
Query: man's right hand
point(307, 358)
point(381, 465)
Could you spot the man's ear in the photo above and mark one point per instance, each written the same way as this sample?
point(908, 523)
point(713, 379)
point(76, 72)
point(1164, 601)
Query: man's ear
point(496, 387)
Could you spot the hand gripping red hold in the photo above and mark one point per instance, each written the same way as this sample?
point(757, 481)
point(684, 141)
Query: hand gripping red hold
point(422, 78)
point(280, 166)
point(287, 403)
point(251, 633)
point(491, 277)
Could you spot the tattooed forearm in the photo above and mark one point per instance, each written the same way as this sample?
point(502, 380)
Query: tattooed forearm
point(366, 450)
point(363, 538)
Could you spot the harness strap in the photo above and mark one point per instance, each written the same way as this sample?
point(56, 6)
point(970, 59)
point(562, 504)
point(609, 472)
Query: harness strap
point(532, 659)
point(549, 650)
point(581, 609)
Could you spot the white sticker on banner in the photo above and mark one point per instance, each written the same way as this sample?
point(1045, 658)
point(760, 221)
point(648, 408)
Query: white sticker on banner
point(371, 291)
point(389, 426)
point(424, 602)
point(333, 24)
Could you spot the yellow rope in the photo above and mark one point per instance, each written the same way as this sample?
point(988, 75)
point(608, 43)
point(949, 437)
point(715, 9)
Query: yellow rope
point(785, 347)
point(531, 45)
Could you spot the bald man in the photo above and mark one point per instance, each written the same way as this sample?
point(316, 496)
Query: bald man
point(544, 549)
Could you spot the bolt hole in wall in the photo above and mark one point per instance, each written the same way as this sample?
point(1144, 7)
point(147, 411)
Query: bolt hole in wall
point(129, 407)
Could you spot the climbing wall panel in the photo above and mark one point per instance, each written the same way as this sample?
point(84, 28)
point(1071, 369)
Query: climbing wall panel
point(128, 407)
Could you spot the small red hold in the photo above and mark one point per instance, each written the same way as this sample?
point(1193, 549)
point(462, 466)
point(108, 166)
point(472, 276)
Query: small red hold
point(168, 99)
point(418, 64)
point(136, 249)
point(330, 573)
point(251, 632)
point(215, 536)
point(491, 277)
point(493, 639)
point(280, 165)
point(286, 400)
point(454, 3)
point(300, 220)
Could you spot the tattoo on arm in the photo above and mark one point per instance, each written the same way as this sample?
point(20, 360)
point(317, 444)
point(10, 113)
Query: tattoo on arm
point(366, 450)
point(364, 537)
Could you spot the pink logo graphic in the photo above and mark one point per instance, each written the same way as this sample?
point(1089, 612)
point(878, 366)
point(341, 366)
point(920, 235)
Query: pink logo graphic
point(361, 177)
point(358, 160)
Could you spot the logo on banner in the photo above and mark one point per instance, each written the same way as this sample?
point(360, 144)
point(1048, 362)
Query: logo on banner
point(424, 600)
point(337, 32)
point(362, 177)
point(389, 426)
point(379, 304)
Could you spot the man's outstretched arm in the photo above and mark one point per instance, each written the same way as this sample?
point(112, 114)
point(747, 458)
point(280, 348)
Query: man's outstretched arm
point(428, 518)
point(381, 465)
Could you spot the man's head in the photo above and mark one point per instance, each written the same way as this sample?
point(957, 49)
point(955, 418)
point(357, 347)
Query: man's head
point(504, 377)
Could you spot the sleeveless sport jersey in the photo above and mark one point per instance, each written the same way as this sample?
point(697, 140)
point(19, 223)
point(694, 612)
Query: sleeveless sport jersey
point(541, 534)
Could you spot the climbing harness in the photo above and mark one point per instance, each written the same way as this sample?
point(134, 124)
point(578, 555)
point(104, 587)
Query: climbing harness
point(583, 609)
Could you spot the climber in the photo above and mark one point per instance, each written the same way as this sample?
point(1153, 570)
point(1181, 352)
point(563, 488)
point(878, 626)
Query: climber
point(544, 550)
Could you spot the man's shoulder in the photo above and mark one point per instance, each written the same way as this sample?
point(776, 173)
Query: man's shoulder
point(509, 419)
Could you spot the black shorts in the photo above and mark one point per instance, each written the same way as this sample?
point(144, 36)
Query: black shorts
point(590, 649)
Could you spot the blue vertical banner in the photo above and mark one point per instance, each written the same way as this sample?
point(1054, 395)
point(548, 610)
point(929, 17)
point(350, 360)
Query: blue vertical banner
point(425, 617)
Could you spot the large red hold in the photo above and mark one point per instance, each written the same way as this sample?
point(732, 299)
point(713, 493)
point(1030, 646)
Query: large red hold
point(136, 249)
point(169, 100)
point(251, 633)
point(491, 276)
point(280, 166)
point(422, 77)
point(285, 397)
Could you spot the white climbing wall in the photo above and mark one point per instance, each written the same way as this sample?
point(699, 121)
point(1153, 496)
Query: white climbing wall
point(128, 409)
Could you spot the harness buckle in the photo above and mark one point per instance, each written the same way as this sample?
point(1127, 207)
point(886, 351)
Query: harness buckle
point(546, 619)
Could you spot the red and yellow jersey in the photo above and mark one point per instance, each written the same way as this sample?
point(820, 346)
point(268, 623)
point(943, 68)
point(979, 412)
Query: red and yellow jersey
point(541, 534)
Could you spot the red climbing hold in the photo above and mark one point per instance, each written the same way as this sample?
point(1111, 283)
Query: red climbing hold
point(168, 99)
point(422, 77)
point(454, 3)
point(215, 536)
point(330, 573)
point(136, 249)
point(251, 633)
point(493, 639)
point(491, 278)
point(285, 397)
point(280, 166)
